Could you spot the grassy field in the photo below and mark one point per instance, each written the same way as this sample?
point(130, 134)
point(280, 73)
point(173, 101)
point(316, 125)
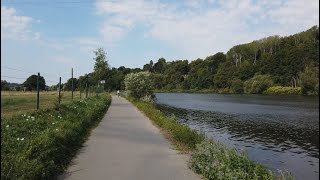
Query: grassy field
point(17, 102)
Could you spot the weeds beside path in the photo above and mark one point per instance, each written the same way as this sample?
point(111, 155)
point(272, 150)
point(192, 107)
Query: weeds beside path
point(40, 145)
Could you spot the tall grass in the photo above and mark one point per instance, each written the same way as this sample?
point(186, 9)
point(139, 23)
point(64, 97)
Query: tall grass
point(210, 159)
point(16, 102)
point(40, 144)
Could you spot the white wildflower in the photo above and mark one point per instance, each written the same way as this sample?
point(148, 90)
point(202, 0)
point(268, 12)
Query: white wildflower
point(53, 123)
point(57, 129)
point(22, 139)
point(7, 126)
point(18, 139)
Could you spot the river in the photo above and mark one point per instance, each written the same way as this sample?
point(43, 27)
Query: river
point(280, 132)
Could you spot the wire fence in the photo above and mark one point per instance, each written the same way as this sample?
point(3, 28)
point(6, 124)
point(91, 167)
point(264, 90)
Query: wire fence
point(17, 99)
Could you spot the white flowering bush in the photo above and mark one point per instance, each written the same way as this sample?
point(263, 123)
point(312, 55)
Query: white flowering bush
point(139, 84)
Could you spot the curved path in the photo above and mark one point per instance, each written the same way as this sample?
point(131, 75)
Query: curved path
point(126, 146)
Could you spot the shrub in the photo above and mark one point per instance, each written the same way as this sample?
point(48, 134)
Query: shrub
point(139, 84)
point(309, 79)
point(257, 84)
point(236, 86)
point(282, 90)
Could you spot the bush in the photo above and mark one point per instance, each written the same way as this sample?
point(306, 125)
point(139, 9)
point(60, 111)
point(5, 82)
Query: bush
point(139, 84)
point(41, 144)
point(236, 86)
point(309, 79)
point(257, 84)
point(282, 90)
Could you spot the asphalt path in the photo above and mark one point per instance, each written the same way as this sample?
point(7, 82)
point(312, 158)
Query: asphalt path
point(126, 146)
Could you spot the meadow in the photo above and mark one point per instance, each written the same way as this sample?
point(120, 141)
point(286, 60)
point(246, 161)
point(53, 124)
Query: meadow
point(18, 102)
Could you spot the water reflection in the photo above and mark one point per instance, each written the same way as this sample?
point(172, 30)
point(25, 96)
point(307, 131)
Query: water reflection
point(282, 135)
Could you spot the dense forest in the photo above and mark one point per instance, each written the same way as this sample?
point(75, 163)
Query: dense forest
point(286, 62)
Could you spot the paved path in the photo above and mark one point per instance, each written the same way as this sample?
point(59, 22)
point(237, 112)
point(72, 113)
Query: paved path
point(126, 146)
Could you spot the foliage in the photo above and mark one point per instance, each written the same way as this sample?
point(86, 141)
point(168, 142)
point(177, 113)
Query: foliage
point(4, 85)
point(139, 84)
point(309, 80)
point(68, 84)
point(216, 161)
point(236, 86)
point(282, 90)
point(101, 65)
point(258, 84)
point(31, 82)
point(40, 145)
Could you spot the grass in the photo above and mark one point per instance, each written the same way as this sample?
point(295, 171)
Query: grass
point(17, 102)
point(209, 159)
point(41, 144)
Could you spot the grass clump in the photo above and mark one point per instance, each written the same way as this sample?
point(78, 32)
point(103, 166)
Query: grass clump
point(209, 159)
point(41, 144)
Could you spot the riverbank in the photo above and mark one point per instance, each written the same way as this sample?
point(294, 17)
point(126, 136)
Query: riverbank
point(274, 90)
point(40, 145)
point(208, 158)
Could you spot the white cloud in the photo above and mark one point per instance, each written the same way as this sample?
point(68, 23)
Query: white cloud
point(16, 27)
point(202, 28)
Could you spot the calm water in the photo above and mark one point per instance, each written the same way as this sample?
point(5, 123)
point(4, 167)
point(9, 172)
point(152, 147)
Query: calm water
point(281, 132)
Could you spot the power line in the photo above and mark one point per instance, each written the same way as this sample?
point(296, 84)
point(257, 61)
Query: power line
point(12, 77)
point(16, 69)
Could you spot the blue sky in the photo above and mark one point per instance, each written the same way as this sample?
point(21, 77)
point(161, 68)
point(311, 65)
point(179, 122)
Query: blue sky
point(51, 37)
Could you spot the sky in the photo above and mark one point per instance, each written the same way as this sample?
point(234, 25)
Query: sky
point(53, 36)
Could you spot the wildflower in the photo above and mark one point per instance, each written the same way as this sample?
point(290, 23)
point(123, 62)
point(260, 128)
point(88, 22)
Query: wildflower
point(53, 123)
point(28, 116)
point(27, 119)
point(60, 117)
point(33, 117)
point(22, 139)
point(18, 139)
point(57, 129)
point(7, 126)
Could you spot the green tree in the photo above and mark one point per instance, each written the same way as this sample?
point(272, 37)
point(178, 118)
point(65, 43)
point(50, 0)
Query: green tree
point(309, 80)
point(4, 85)
point(31, 83)
point(68, 84)
point(258, 84)
point(101, 65)
point(236, 85)
point(139, 84)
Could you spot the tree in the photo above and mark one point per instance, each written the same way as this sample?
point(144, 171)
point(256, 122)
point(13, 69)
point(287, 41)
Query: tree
point(139, 84)
point(68, 84)
point(309, 80)
point(101, 65)
point(258, 84)
point(31, 83)
point(4, 85)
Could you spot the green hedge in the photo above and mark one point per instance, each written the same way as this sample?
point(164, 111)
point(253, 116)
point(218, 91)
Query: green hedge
point(40, 145)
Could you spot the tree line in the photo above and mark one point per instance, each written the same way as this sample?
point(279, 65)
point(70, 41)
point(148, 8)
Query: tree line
point(291, 61)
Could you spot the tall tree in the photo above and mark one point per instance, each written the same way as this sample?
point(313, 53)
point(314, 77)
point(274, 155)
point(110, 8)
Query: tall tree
point(101, 65)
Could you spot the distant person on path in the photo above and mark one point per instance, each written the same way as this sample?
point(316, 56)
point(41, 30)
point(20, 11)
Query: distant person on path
point(118, 93)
